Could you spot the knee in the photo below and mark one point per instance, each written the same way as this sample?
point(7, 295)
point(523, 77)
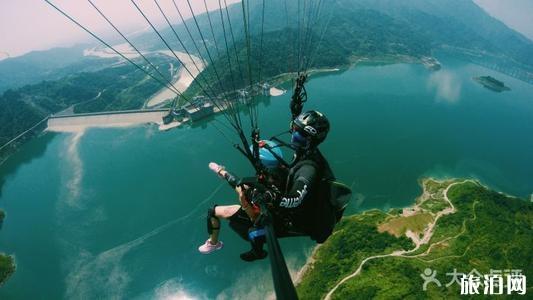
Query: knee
point(212, 213)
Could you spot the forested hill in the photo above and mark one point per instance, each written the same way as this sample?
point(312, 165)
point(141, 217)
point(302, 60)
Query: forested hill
point(51, 64)
point(120, 87)
point(370, 29)
point(458, 23)
point(354, 34)
point(468, 227)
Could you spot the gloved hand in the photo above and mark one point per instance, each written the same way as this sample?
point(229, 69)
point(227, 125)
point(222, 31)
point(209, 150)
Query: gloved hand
point(242, 191)
point(269, 196)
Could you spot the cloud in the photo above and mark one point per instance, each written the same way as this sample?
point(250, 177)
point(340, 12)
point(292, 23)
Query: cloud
point(73, 183)
point(446, 85)
point(172, 289)
point(103, 275)
point(100, 276)
point(256, 282)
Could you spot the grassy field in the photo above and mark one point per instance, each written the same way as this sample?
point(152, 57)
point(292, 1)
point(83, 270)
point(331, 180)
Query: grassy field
point(397, 226)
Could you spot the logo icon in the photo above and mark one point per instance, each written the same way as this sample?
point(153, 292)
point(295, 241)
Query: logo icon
point(310, 130)
point(429, 276)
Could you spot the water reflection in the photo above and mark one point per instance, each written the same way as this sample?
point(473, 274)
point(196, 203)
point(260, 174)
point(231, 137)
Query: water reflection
point(30, 151)
point(445, 84)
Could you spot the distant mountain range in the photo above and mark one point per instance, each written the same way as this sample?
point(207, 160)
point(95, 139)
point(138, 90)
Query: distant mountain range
point(355, 29)
point(51, 64)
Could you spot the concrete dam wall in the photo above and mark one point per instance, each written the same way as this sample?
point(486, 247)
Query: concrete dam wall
point(108, 119)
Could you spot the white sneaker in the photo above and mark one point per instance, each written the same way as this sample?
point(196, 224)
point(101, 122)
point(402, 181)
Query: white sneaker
point(207, 247)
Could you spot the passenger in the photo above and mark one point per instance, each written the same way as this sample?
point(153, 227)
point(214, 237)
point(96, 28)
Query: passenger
point(242, 217)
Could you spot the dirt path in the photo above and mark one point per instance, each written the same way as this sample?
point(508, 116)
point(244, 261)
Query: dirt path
point(428, 233)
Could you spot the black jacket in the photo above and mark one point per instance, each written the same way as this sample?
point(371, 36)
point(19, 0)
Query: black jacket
point(303, 206)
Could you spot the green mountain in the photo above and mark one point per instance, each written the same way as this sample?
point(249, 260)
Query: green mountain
point(51, 64)
point(120, 87)
point(462, 24)
point(361, 29)
point(466, 226)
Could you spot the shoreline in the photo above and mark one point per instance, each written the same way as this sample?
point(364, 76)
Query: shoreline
point(414, 207)
point(184, 81)
point(181, 80)
point(306, 267)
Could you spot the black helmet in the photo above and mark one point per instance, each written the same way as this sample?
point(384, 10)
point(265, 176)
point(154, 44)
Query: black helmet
point(313, 125)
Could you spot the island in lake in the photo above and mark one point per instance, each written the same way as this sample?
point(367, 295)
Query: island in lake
point(492, 83)
point(455, 226)
point(7, 267)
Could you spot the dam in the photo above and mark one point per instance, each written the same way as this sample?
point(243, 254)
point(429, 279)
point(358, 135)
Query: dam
point(75, 122)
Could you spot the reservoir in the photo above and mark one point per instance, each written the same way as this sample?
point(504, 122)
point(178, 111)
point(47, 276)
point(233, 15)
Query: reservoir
point(120, 212)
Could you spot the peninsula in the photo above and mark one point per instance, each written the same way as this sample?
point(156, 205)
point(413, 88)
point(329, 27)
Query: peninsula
point(455, 226)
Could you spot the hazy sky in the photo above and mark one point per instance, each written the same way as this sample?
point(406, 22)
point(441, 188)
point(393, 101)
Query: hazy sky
point(517, 14)
point(27, 25)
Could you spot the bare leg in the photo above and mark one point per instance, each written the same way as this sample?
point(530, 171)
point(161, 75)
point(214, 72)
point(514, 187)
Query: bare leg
point(225, 212)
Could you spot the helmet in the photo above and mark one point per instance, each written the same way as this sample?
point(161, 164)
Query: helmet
point(268, 159)
point(312, 126)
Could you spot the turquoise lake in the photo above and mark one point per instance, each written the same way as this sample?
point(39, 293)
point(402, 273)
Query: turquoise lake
point(120, 212)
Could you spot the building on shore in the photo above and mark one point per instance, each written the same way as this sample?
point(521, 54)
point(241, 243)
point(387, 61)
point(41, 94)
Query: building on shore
point(198, 108)
point(174, 114)
point(265, 88)
point(197, 112)
point(244, 96)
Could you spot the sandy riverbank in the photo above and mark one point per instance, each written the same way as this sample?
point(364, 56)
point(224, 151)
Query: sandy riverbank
point(124, 48)
point(171, 125)
point(276, 92)
point(181, 80)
